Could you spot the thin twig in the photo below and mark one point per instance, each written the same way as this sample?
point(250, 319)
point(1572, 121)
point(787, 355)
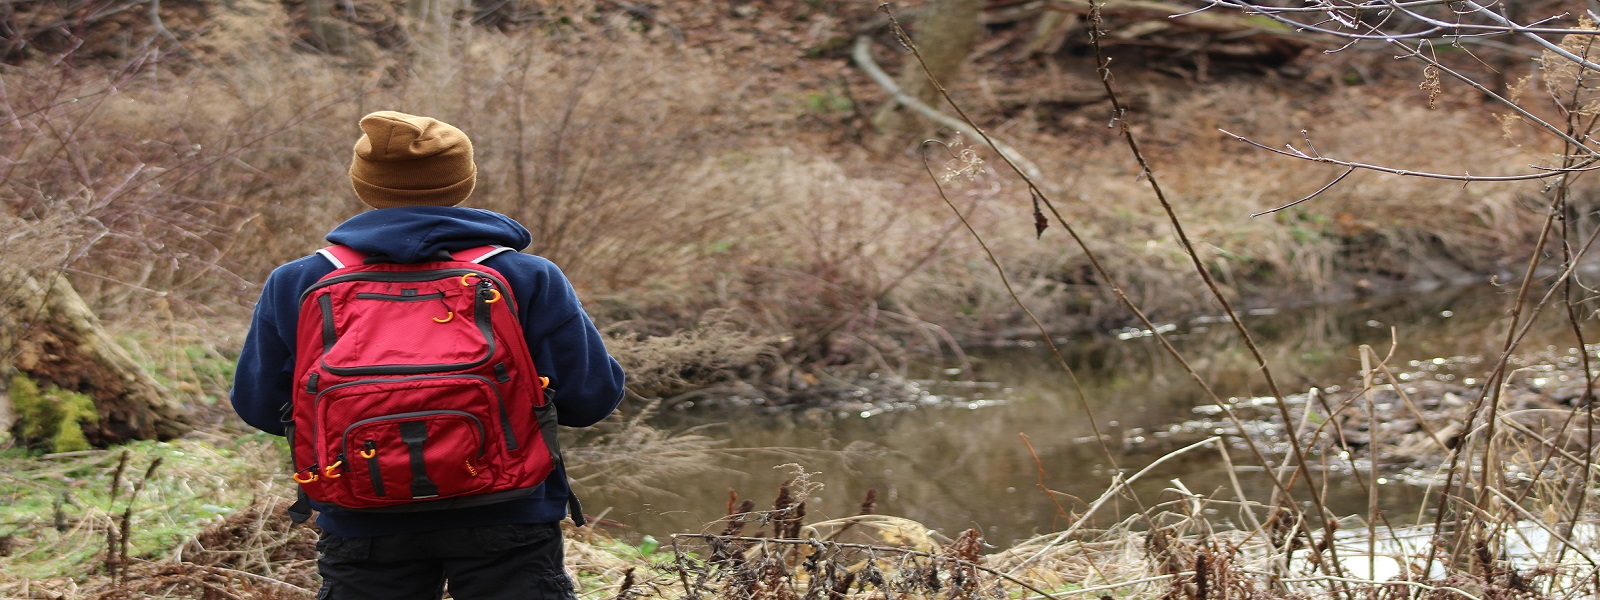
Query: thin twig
point(683, 571)
point(1319, 192)
point(1120, 584)
point(1587, 165)
point(1100, 271)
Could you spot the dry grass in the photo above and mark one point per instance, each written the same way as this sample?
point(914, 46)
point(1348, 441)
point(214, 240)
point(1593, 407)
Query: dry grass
point(1382, 227)
point(716, 351)
point(630, 456)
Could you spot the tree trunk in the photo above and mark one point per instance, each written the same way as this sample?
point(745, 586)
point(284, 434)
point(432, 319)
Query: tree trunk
point(946, 34)
point(48, 333)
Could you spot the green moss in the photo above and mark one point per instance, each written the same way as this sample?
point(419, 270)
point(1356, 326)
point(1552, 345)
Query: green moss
point(51, 419)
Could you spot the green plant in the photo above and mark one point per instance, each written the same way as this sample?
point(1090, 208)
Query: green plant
point(828, 102)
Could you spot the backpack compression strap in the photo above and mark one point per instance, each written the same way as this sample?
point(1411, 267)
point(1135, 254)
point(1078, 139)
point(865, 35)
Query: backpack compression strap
point(345, 256)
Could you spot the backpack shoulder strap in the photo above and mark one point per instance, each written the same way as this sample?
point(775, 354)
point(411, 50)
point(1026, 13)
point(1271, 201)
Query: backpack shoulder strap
point(342, 256)
point(479, 254)
point(345, 256)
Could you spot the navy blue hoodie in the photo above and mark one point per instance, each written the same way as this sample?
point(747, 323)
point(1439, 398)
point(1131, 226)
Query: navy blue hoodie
point(565, 345)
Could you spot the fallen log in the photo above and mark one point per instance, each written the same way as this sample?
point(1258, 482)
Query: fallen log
point(50, 335)
point(1154, 24)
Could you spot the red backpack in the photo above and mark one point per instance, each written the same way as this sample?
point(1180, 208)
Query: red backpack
point(415, 389)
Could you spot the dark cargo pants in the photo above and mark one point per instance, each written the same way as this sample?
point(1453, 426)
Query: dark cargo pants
point(507, 562)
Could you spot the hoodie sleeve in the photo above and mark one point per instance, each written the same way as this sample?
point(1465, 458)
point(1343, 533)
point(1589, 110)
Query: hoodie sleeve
point(264, 377)
point(261, 383)
point(565, 344)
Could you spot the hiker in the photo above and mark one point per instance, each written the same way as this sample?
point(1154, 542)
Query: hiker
point(400, 462)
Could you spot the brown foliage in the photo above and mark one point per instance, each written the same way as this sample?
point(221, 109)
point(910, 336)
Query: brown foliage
point(260, 540)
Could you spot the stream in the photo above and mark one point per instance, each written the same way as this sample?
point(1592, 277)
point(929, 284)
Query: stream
point(983, 443)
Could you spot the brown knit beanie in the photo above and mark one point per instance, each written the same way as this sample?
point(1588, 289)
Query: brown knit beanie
point(406, 160)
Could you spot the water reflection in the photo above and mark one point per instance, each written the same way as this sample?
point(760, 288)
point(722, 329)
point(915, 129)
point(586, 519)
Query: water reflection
point(964, 464)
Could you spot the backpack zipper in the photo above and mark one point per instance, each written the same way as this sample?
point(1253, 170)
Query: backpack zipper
point(398, 298)
point(404, 277)
point(477, 423)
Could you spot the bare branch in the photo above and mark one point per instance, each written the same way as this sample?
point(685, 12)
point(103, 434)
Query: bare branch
point(1546, 172)
point(862, 55)
point(1319, 192)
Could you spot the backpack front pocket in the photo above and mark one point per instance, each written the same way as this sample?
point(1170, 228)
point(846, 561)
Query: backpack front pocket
point(392, 441)
point(415, 456)
point(405, 327)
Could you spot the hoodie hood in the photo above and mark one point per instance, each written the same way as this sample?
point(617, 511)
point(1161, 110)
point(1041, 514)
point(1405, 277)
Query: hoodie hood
point(412, 234)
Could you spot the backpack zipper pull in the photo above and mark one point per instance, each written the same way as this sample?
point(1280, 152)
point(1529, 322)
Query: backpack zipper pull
point(369, 451)
point(449, 313)
point(338, 465)
point(486, 289)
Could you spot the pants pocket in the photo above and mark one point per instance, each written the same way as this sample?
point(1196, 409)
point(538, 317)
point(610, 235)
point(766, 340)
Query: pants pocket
point(505, 537)
point(338, 546)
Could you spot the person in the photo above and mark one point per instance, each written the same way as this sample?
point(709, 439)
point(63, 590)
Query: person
point(416, 171)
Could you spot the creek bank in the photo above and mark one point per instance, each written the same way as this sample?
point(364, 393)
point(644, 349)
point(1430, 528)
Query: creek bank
point(1404, 428)
point(1265, 296)
point(899, 375)
point(721, 366)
